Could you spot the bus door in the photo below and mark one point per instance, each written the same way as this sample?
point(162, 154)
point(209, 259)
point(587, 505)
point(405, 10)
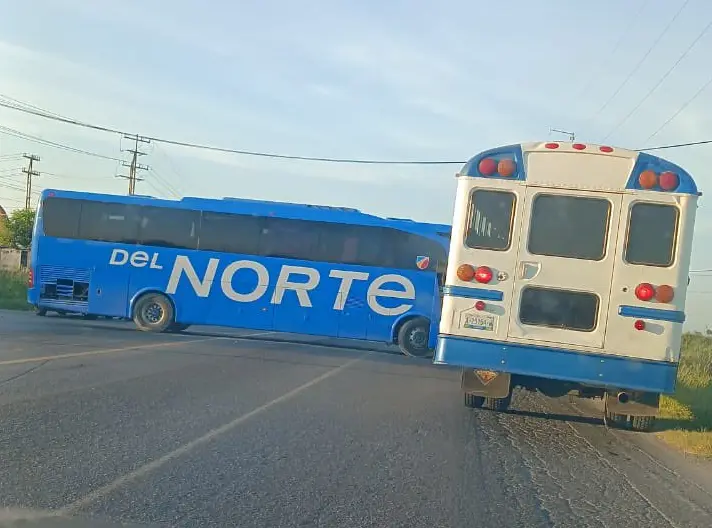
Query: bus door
point(565, 258)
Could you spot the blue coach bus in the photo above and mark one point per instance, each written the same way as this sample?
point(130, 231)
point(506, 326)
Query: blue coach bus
point(241, 263)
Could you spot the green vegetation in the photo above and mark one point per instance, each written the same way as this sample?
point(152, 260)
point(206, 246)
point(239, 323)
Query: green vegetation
point(13, 290)
point(16, 230)
point(686, 416)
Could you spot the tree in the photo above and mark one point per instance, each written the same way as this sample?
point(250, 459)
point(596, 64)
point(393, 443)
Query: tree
point(17, 232)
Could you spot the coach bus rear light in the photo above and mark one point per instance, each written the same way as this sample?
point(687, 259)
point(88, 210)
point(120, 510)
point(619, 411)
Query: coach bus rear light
point(506, 167)
point(483, 274)
point(578, 146)
point(647, 179)
point(30, 279)
point(669, 181)
point(645, 291)
point(605, 149)
point(465, 273)
point(639, 325)
point(487, 167)
point(664, 293)
point(480, 305)
point(552, 145)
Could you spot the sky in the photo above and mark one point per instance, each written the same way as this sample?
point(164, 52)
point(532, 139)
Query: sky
point(410, 80)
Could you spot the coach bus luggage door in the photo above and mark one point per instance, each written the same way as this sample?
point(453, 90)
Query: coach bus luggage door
point(564, 266)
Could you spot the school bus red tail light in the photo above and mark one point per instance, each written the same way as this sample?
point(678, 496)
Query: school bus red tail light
point(664, 293)
point(465, 272)
point(506, 168)
point(578, 146)
point(480, 305)
point(639, 325)
point(648, 179)
point(645, 291)
point(487, 167)
point(483, 274)
point(669, 181)
point(605, 148)
point(552, 146)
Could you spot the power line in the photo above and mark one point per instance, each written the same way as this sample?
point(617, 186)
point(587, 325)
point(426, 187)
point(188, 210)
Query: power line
point(660, 81)
point(621, 39)
point(34, 139)
point(642, 60)
point(189, 144)
point(679, 110)
point(226, 150)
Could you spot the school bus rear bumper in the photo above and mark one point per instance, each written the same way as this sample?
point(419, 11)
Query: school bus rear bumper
point(558, 364)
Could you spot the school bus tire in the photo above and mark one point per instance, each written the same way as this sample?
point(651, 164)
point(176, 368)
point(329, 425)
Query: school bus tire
point(642, 424)
point(498, 404)
point(413, 337)
point(473, 401)
point(153, 312)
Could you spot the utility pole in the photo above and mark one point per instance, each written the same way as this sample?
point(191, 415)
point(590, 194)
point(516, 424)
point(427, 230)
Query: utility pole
point(30, 173)
point(572, 136)
point(133, 165)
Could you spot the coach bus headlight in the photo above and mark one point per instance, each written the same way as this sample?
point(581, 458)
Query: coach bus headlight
point(483, 274)
point(644, 291)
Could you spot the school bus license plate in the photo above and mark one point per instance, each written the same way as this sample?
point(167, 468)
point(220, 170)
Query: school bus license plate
point(479, 322)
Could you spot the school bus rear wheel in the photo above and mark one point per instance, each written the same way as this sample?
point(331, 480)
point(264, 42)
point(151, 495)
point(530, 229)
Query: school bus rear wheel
point(153, 312)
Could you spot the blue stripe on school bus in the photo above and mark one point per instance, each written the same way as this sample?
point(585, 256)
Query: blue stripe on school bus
point(559, 364)
point(473, 293)
point(656, 314)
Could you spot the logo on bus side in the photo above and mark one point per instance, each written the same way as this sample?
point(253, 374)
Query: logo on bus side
point(202, 286)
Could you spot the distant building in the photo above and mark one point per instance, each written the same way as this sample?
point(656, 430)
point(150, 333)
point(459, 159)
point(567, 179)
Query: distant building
point(3, 214)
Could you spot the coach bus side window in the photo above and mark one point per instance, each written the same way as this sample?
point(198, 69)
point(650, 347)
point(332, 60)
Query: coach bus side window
point(287, 238)
point(652, 234)
point(60, 217)
point(489, 220)
point(569, 226)
point(231, 233)
point(109, 222)
point(176, 228)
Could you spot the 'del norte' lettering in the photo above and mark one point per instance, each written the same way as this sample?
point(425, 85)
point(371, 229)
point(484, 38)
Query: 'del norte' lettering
point(309, 279)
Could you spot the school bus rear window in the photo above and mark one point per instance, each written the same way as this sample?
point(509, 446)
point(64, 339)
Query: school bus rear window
point(652, 234)
point(489, 220)
point(569, 226)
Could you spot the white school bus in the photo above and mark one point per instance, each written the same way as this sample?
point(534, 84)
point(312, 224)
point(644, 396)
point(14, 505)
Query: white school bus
point(567, 274)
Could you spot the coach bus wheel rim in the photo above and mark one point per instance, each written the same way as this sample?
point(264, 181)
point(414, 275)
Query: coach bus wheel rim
point(152, 312)
point(418, 338)
point(413, 338)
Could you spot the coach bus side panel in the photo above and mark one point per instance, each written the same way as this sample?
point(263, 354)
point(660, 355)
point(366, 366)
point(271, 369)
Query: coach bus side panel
point(304, 299)
point(355, 315)
point(109, 285)
point(403, 294)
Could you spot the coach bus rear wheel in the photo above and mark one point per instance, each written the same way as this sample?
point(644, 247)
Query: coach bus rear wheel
point(153, 312)
point(40, 311)
point(413, 338)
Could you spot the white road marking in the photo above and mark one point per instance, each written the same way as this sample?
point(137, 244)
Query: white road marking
point(155, 464)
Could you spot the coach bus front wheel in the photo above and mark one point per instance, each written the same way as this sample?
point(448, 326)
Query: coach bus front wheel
point(413, 338)
point(153, 312)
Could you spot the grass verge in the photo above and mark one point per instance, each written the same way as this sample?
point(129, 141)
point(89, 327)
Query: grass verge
point(13, 290)
point(686, 417)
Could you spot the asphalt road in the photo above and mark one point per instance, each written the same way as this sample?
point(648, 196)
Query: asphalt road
point(103, 422)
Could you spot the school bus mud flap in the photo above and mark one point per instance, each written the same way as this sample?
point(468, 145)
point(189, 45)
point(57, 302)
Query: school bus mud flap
point(486, 383)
